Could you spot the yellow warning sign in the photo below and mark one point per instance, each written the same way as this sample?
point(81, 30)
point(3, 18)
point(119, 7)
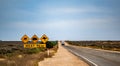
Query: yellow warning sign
point(25, 39)
point(44, 38)
point(34, 39)
point(34, 43)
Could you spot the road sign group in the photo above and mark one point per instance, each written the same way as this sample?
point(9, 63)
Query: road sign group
point(34, 44)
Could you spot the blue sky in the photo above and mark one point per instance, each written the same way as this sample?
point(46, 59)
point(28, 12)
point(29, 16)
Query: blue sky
point(60, 19)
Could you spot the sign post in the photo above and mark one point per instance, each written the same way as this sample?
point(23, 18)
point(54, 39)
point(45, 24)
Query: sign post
point(44, 39)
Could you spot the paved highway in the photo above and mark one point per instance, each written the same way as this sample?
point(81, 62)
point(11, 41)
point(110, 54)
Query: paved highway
point(96, 57)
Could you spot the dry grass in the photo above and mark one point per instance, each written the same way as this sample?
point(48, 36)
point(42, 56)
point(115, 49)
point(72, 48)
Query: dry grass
point(14, 54)
point(107, 45)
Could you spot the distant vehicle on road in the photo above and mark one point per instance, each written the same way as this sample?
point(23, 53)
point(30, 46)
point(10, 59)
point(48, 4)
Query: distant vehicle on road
point(62, 43)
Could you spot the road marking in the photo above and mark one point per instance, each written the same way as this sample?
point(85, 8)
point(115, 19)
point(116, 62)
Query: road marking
point(83, 57)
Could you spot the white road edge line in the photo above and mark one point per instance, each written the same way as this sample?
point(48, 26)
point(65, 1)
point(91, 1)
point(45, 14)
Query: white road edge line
point(83, 57)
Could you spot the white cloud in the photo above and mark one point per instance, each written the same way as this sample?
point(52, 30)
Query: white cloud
point(64, 24)
point(70, 10)
point(39, 25)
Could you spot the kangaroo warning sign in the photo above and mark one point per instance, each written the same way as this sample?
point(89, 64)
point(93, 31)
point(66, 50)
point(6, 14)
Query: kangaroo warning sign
point(44, 38)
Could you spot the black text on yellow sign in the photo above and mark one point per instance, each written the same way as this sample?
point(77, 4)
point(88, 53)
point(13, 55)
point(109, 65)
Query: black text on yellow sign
point(34, 45)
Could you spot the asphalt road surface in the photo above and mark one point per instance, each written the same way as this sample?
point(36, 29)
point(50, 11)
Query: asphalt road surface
point(96, 57)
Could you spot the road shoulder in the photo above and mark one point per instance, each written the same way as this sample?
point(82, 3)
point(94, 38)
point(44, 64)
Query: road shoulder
point(62, 58)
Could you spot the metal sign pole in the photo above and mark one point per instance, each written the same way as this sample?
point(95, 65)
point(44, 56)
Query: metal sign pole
point(48, 52)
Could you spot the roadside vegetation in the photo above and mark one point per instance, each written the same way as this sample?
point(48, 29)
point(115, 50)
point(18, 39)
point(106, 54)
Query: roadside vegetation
point(13, 53)
point(106, 45)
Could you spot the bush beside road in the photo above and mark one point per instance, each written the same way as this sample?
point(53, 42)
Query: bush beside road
point(12, 53)
point(106, 45)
